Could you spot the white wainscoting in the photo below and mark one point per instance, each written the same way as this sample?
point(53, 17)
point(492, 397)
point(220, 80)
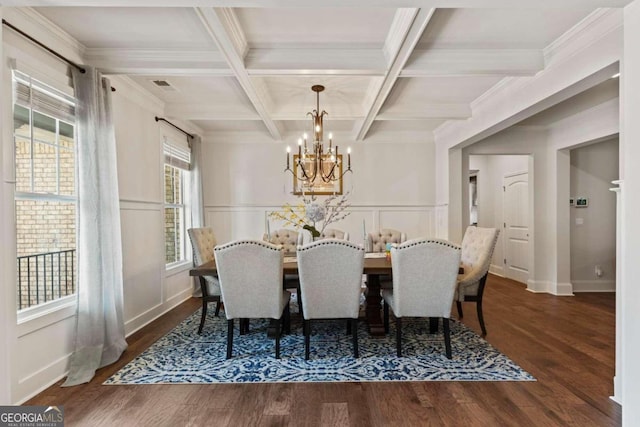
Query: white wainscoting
point(149, 290)
point(250, 222)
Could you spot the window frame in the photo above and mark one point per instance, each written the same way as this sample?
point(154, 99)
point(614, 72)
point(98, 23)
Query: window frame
point(177, 157)
point(52, 306)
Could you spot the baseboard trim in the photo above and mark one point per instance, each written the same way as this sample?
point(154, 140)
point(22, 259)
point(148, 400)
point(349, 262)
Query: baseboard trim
point(546, 287)
point(538, 286)
point(562, 289)
point(594, 285)
point(498, 270)
point(38, 381)
point(142, 320)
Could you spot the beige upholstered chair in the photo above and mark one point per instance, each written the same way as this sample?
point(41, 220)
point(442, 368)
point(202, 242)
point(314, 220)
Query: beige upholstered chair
point(377, 242)
point(250, 274)
point(203, 242)
point(477, 249)
point(288, 239)
point(330, 276)
point(424, 281)
point(330, 233)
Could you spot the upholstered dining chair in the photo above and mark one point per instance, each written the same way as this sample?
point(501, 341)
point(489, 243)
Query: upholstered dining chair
point(330, 233)
point(250, 273)
point(478, 244)
point(330, 276)
point(424, 281)
point(288, 239)
point(377, 242)
point(203, 241)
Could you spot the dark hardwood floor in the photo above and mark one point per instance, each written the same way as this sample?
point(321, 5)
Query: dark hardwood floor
point(567, 343)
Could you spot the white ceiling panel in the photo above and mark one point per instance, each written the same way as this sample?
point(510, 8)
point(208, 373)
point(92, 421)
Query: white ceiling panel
point(498, 28)
point(380, 126)
point(140, 28)
point(335, 27)
point(291, 97)
point(410, 94)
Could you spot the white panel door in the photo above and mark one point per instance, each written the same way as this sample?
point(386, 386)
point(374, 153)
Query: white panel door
point(516, 227)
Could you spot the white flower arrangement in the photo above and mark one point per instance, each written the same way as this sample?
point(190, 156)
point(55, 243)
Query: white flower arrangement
point(313, 216)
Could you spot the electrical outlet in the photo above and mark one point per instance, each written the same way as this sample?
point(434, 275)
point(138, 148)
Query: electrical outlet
point(598, 271)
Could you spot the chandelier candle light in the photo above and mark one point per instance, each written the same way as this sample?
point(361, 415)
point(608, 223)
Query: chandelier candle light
point(316, 162)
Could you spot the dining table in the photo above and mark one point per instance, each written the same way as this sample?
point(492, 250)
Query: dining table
point(375, 266)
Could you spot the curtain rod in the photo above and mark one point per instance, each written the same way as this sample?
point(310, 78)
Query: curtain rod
point(158, 119)
point(48, 49)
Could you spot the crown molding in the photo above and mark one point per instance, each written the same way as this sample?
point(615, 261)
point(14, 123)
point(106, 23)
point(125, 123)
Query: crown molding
point(158, 61)
point(598, 27)
point(592, 28)
point(45, 31)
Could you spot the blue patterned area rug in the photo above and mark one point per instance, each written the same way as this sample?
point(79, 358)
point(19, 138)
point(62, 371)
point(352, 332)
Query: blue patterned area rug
point(183, 356)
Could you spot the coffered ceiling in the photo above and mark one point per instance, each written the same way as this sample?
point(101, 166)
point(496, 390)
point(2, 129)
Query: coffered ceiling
point(386, 69)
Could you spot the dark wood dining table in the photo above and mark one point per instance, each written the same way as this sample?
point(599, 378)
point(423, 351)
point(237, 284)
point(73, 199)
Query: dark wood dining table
point(373, 268)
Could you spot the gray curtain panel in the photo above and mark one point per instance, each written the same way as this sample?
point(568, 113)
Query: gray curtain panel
point(100, 338)
point(197, 202)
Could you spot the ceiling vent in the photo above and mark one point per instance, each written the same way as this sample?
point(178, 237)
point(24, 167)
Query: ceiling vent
point(164, 85)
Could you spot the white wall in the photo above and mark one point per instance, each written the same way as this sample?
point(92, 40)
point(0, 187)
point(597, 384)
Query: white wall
point(593, 229)
point(491, 173)
point(629, 374)
point(149, 290)
point(392, 186)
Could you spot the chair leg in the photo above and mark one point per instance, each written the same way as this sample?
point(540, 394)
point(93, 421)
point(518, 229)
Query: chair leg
point(399, 336)
point(447, 337)
point(286, 324)
point(481, 318)
point(229, 338)
point(459, 305)
point(278, 325)
point(204, 315)
point(299, 297)
point(354, 330)
point(218, 304)
point(348, 326)
point(307, 338)
point(386, 317)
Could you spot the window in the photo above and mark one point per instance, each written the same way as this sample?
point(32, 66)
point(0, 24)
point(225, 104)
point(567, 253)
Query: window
point(176, 169)
point(45, 197)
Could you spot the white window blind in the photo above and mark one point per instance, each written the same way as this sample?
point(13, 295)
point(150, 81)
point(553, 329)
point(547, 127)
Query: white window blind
point(32, 94)
point(177, 153)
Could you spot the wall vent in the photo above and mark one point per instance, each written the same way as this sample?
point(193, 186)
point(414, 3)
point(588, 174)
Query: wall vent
point(164, 85)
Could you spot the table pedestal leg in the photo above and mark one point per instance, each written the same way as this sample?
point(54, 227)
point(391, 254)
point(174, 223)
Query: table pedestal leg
point(373, 305)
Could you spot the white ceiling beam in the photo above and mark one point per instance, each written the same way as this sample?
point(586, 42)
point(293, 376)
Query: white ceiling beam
point(158, 62)
point(316, 61)
point(502, 4)
point(404, 36)
point(427, 112)
point(211, 111)
point(224, 28)
point(502, 62)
